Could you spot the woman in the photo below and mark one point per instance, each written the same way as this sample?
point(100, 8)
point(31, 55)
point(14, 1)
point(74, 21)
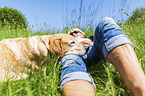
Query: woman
point(110, 43)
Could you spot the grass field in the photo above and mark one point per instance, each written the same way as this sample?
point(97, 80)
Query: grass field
point(46, 83)
point(107, 79)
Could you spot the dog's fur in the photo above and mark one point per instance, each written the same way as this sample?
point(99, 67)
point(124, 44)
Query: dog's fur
point(18, 55)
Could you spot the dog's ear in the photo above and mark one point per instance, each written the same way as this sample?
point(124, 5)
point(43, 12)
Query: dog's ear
point(46, 39)
point(55, 46)
point(60, 43)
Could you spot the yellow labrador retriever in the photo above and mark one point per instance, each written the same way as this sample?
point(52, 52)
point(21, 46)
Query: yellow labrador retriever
point(18, 55)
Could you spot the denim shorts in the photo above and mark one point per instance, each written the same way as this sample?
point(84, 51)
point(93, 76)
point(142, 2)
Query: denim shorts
point(74, 68)
point(108, 36)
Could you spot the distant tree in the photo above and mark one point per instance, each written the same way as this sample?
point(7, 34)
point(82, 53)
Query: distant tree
point(12, 18)
point(138, 14)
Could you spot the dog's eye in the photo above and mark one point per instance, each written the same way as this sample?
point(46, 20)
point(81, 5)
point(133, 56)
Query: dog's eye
point(72, 43)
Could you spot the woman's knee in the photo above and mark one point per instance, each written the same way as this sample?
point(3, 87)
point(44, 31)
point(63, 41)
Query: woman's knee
point(106, 19)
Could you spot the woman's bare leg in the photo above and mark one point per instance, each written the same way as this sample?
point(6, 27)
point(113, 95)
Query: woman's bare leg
point(125, 61)
point(78, 88)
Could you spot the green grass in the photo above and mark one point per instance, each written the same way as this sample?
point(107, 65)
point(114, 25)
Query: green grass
point(46, 83)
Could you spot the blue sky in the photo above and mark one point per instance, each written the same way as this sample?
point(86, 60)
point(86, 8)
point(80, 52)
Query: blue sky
point(53, 13)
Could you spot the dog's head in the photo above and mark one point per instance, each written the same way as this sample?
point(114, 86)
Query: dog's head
point(62, 44)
